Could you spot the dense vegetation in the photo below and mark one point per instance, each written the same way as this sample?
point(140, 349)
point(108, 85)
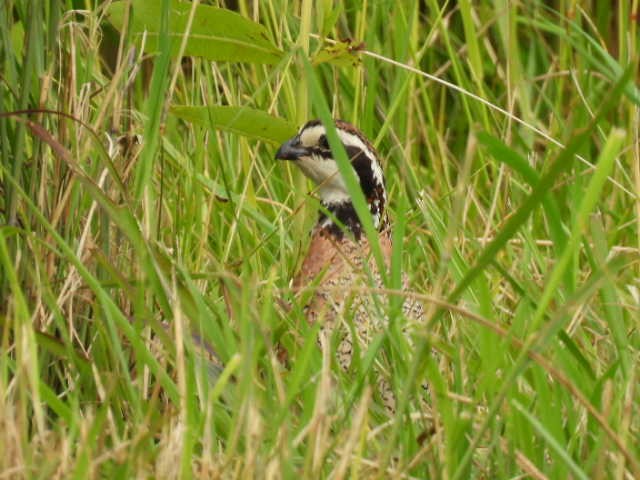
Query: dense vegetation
point(509, 134)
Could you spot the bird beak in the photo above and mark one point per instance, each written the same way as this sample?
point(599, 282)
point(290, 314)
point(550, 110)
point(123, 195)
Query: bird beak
point(291, 150)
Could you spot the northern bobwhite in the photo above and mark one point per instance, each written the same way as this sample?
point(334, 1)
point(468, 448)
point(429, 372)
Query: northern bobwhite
point(339, 256)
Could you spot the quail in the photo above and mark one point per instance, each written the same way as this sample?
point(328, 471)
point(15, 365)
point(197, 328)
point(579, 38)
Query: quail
point(339, 256)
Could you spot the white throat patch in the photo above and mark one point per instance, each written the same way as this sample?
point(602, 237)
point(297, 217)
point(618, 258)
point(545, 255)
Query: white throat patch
point(325, 174)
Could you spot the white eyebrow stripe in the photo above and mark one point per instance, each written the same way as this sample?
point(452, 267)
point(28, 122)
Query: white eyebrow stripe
point(309, 136)
point(353, 140)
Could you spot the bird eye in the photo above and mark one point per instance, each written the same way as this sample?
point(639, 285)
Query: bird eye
point(323, 142)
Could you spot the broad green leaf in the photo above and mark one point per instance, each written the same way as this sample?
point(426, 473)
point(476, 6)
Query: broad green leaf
point(216, 34)
point(244, 121)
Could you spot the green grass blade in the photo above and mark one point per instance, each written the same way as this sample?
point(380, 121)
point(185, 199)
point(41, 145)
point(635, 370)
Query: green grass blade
point(248, 122)
point(551, 441)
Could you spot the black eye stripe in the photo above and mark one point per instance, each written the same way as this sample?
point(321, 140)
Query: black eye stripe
point(321, 152)
point(363, 167)
point(323, 142)
point(361, 164)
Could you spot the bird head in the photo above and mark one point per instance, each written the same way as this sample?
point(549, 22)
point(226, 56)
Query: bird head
point(310, 151)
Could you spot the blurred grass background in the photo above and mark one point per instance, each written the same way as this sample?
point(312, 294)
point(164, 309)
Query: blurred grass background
point(524, 252)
